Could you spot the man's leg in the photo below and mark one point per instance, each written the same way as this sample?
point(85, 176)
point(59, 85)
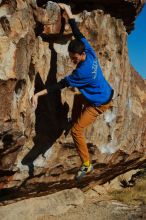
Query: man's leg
point(79, 105)
point(87, 117)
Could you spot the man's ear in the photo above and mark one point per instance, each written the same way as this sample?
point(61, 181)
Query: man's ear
point(84, 54)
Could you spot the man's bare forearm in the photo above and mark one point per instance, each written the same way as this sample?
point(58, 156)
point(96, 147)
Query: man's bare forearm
point(42, 92)
point(53, 88)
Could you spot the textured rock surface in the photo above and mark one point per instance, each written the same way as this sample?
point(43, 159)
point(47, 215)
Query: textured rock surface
point(119, 9)
point(35, 156)
point(71, 205)
point(45, 206)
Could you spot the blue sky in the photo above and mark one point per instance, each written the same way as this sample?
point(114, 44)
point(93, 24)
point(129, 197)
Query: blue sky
point(137, 44)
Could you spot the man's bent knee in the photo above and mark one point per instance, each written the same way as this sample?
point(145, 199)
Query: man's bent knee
point(76, 130)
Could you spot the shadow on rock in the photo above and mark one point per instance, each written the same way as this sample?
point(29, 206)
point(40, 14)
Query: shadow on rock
point(51, 116)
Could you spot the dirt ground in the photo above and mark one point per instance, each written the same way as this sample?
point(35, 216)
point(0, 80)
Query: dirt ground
point(96, 203)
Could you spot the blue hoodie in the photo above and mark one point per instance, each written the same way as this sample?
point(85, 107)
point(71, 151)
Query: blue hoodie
point(89, 79)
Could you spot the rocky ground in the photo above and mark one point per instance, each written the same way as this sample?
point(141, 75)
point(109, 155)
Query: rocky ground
point(107, 202)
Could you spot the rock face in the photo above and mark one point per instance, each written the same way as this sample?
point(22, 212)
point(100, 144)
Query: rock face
point(35, 155)
point(123, 9)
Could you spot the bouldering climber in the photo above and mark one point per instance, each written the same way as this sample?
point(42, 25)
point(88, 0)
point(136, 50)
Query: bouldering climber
point(95, 92)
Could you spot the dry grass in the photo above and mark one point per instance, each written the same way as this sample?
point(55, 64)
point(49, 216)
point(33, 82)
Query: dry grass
point(135, 195)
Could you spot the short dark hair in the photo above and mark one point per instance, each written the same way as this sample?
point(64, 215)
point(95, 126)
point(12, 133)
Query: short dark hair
point(76, 46)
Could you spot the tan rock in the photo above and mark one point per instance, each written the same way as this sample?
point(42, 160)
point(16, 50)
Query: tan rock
point(35, 155)
point(49, 205)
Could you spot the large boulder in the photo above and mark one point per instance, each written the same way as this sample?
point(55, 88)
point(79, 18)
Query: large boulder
point(36, 157)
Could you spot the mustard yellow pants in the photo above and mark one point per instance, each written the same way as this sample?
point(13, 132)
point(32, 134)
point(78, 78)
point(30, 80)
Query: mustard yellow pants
point(83, 114)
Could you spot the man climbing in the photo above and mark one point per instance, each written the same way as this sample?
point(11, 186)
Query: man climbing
point(95, 92)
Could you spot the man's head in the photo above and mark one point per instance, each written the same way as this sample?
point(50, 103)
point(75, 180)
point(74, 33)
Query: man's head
point(76, 51)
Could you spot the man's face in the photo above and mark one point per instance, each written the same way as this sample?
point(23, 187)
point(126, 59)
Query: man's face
point(77, 58)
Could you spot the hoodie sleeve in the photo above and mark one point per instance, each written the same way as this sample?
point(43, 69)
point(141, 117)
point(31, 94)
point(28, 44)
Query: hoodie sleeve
point(78, 35)
point(57, 86)
point(75, 30)
point(77, 79)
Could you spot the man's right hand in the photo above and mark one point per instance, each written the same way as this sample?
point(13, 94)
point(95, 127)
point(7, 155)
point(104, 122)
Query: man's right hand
point(67, 9)
point(63, 6)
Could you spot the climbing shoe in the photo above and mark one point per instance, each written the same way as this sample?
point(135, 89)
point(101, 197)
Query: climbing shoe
point(83, 171)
